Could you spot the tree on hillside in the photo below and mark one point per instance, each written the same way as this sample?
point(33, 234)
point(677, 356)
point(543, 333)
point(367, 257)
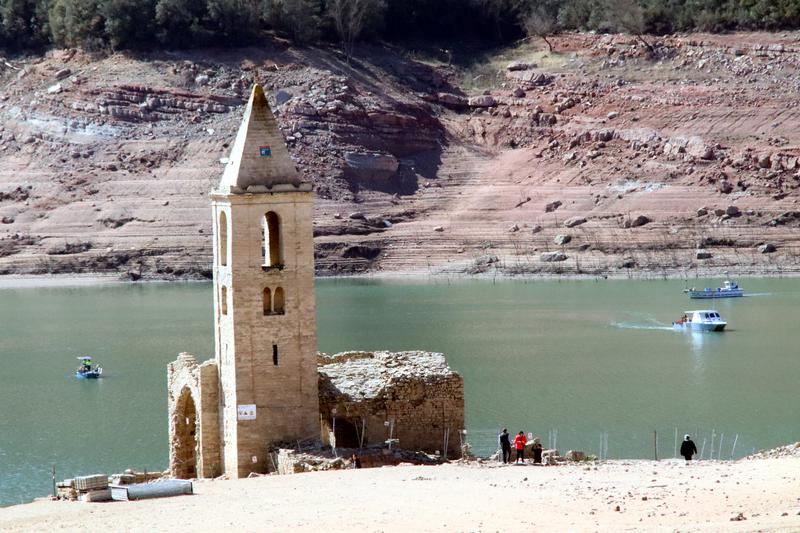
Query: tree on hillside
point(350, 18)
point(541, 22)
point(501, 12)
point(627, 16)
point(233, 21)
point(129, 23)
point(180, 23)
point(76, 23)
point(23, 23)
point(582, 14)
point(301, 19)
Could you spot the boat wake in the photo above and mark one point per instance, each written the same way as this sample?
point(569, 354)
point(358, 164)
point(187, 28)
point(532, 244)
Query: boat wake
point(646, 323)
point(632, 325)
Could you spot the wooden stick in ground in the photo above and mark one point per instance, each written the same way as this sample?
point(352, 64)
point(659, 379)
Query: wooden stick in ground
point(711, 448)
point(675, 453)
point(655, 444)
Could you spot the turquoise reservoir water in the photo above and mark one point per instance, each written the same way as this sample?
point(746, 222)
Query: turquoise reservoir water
point(576, 362)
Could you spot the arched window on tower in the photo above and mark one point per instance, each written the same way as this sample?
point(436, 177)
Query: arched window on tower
point(223, 239)
point(267, 301)
point(278, 304)
point(223, 297)
point(273, 257)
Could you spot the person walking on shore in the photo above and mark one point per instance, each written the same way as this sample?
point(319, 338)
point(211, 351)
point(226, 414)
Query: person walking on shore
point(519, 444)
point(688, 449)
point(505, 445)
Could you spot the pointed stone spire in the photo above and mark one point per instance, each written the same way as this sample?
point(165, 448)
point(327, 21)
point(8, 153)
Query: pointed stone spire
point(259, 158)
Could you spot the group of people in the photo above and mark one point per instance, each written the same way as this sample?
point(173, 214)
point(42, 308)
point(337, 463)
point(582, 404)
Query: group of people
point(688, 448)
point(520, 441)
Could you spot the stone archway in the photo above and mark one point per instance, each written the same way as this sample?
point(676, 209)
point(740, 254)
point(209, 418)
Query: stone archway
point(184, 446)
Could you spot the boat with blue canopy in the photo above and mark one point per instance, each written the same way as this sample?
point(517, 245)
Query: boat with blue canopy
point(730, 289)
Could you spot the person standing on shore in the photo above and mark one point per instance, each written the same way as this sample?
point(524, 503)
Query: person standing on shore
point(519, 444)
point(537, 451)
point(505, 445)
point(688, 449)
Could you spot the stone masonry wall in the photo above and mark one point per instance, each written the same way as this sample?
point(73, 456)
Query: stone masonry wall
point(285, 394)
point(417, 391)
point(201, 384)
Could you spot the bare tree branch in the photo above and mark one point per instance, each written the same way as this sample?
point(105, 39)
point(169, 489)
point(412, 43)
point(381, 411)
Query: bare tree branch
point(540, 22)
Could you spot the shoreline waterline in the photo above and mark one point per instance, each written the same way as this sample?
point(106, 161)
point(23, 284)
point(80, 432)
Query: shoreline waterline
point(16, 281)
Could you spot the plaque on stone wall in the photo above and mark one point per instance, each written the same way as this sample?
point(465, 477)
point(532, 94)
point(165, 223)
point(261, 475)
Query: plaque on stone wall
point(246, 412)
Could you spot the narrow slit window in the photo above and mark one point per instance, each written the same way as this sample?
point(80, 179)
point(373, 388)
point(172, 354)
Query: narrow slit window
point(267, 301)
point(224, 300)
point(275, 354)
point(279, 302)
point(223, 239)
point(272, 240)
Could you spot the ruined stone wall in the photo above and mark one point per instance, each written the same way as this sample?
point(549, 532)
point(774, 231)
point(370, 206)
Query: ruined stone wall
point(210, 464)
point(420, 397)
point(193, 409)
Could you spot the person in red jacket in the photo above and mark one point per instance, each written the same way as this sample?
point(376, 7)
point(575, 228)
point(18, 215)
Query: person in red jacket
point(519, 444)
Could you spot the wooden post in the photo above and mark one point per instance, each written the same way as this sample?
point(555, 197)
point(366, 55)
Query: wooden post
point(734, 445)
point(334, 436)
point(655, 444)
point(675, 453)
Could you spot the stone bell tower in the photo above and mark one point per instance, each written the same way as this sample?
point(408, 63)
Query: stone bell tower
point(264, 309)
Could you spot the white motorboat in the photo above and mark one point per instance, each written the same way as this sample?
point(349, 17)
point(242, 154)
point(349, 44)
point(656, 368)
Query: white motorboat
point(730, 289)
point(701, 320)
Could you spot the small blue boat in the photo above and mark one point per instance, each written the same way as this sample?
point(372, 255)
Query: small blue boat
point(87, 370)
point(730, 289)
point(700, 320)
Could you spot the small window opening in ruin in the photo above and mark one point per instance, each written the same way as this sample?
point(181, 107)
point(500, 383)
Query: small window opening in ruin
point(271, 248)
point(279, 304)
point(275, 354)
point(223, 239)
point(224, 301)
point(267, 301)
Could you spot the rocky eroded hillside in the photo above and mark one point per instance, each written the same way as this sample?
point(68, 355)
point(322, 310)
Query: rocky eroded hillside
point(600, 158)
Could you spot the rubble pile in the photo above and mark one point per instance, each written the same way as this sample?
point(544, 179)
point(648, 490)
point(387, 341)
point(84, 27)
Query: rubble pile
point(790, 450)
point(291, 461)
point(369, 375)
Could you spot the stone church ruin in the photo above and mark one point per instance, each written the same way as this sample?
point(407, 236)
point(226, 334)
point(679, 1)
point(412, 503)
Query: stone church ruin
point(413, 397)
point(266, 385)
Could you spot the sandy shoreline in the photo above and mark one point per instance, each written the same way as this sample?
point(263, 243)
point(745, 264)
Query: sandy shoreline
point(608, 496)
